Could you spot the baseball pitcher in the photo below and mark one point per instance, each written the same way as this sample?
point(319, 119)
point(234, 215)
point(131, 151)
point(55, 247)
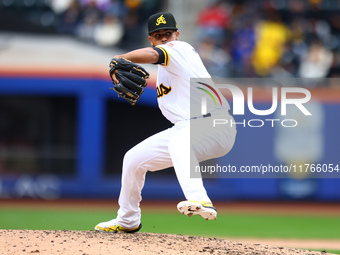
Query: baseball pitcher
point(177, 62)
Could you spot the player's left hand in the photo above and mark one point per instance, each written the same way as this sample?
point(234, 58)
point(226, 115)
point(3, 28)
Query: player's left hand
point(128, 79)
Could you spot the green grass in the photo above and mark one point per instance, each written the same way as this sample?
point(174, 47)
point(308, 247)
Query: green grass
point(330, 251)
point(264, 226)
point(247, 226)
point(227, 225)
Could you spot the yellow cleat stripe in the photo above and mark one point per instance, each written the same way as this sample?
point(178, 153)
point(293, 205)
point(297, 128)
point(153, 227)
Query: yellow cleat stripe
point(105, 229)
point(204, 203)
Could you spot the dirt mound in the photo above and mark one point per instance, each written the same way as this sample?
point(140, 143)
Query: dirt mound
point(91, 242)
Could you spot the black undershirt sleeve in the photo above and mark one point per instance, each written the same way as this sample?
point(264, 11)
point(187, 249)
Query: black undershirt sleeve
point(161, 58)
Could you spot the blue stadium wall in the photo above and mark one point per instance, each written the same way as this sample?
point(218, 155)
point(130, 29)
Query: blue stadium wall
point(254, 146)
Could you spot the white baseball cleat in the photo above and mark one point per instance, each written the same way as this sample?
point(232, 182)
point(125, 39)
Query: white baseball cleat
point(114, 227)
point(203, 208)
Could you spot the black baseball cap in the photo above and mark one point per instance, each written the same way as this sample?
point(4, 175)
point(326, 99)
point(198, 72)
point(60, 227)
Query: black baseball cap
point(161, 20)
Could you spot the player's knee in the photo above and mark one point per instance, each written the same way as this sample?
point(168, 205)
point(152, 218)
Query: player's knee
point(133, 160)
point(128, 160)
point(177, 143)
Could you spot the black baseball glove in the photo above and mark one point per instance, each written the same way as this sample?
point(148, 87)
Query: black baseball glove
point(131, 77)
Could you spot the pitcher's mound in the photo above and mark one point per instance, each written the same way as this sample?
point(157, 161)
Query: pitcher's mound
point(90, 242)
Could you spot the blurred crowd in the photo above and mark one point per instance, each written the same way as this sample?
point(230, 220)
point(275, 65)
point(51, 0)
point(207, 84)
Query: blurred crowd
point(107, 22)
point(120, 23)
point(271, 38)
point(235, 38)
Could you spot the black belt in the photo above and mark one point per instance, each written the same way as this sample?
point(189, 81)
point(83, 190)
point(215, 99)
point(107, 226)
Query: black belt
point(202, 116)
point(207, 115)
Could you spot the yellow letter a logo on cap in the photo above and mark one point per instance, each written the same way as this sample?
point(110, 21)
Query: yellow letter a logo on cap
point(160, 20)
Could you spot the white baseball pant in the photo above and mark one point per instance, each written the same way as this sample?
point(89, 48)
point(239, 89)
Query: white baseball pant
point(177, 147)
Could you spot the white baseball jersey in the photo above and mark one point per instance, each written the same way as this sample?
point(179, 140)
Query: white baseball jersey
point(187, 142)
point(175, 98)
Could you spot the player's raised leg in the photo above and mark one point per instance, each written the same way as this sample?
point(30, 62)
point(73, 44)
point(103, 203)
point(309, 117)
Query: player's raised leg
point(198, 142)
point(198, 202)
